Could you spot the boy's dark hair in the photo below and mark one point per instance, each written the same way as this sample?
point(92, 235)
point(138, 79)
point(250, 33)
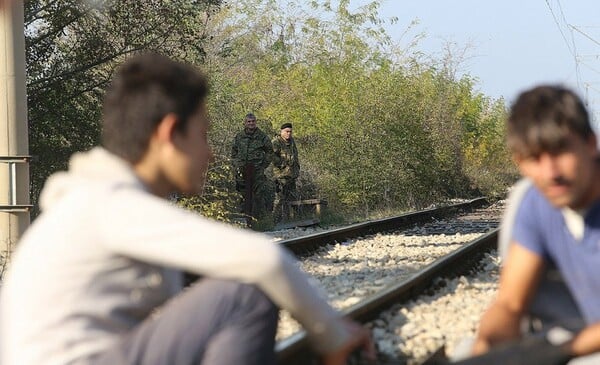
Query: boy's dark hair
point(144, 90)
point(542, 119)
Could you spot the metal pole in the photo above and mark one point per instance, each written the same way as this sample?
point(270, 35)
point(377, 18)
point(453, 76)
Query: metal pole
point(13, 124)
point(12, 173)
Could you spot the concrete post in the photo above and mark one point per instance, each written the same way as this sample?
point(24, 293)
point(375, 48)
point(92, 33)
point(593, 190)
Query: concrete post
point(13, 126)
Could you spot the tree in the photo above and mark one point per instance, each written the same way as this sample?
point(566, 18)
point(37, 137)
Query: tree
point(73, 48)
point(379, 125)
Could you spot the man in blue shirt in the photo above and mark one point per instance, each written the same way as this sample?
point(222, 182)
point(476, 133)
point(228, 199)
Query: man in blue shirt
point(552, 303)
point(558, 221)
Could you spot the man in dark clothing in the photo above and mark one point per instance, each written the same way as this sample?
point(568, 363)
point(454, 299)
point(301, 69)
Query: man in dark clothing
point(251, 153)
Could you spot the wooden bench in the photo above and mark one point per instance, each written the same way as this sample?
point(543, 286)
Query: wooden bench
point(297, 206)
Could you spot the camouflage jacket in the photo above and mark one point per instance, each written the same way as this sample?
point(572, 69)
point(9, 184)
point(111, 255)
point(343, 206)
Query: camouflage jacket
point(285, 158)
point(255, 148)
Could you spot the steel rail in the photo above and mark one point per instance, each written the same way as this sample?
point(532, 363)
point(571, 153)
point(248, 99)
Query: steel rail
point(305, 244)
point(294, 350)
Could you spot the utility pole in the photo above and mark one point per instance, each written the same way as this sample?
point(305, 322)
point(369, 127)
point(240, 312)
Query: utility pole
point(14, 143)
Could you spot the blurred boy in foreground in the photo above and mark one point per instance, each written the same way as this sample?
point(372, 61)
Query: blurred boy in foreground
point(107, 251)
point(558, 220)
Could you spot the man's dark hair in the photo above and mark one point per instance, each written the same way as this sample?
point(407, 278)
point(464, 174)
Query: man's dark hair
point(542, 119)
point(250, 116)
point(144, 90)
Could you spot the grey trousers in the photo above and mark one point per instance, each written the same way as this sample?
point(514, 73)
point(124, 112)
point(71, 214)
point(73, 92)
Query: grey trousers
point(215, 322)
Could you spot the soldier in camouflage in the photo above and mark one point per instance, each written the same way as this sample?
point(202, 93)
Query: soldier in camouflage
point(286, 169)
point(251, 153)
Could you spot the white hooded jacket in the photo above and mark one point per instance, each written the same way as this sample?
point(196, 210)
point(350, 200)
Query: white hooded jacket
point(105, 253)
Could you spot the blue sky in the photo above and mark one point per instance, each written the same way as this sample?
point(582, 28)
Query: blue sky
point(512, 44)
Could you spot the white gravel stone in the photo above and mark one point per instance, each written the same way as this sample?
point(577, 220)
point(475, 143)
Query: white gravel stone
point(449, 316)
point(352, 271)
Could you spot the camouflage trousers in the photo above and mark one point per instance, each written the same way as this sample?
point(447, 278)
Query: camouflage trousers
point(285, 192)
point(261, 194)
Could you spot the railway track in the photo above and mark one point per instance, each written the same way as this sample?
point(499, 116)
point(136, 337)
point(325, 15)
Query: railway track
point(307, 244)
point(293, 350)
point(440, 222)
point(413, 309)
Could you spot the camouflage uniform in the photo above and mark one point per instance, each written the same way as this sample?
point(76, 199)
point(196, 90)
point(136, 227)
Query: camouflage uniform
point(252, 153)
point(286, 169)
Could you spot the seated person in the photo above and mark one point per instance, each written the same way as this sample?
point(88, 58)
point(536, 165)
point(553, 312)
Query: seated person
point(558, 219)
point(96, 279)
point(552, 303)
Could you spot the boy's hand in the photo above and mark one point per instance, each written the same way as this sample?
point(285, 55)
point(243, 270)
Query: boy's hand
point(360, 339)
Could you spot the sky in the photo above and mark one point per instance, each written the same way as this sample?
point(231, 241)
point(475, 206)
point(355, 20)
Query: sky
point(511, 45)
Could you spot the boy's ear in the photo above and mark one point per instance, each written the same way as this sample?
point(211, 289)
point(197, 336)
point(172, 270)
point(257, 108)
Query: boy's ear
point(593, 142)
point(166, 128)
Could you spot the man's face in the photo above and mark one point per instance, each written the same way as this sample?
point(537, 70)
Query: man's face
point(564, 177)
point(187, 168)
point(286, 133)
point(250, 124)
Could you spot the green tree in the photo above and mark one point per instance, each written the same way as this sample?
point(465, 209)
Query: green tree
point(72, 50)
point(379, 126)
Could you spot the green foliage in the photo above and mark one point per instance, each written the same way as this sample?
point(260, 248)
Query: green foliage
point(218, 200)
point(379, 126)
point(72, 50)
point(490, 166)
point(264, 223)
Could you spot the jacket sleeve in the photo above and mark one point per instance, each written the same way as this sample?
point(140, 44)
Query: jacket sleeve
point(169, 236)
point(277, 160)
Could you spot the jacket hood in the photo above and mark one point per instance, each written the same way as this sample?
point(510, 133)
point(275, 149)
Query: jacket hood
point(96, 166)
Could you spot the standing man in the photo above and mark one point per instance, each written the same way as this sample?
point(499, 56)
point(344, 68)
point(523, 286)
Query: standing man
point(286, 169)
point(251, 153)
point(558, 220)
point(96, 280)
